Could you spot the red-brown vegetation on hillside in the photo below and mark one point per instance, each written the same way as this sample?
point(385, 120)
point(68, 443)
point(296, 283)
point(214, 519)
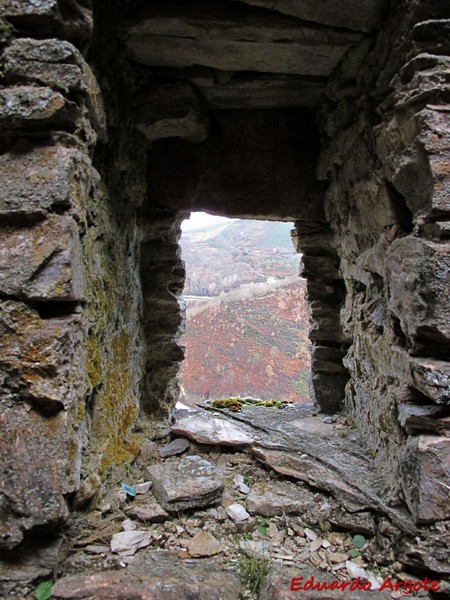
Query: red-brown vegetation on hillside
point(253, 346)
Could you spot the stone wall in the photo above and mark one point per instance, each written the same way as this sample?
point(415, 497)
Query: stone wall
point(383, 255)
point(72, 347)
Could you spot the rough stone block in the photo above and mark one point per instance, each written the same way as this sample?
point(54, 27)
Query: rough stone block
point(189, 483)
point(26, 106)
point(254, 41)
point(171, 110)
point(40, 179)
point(328, 390)
point(156, 575)
point(325, 359)
point(432, 378)
point(418, 272)
point(433, 419)
point(58, 65)
point(425, 468)
point(42, 262)
point(34, 466)
point(414, 152)
point(68, 20)
point(36, 561)
point(325, 267)
point(38, 363)
point(12, 8)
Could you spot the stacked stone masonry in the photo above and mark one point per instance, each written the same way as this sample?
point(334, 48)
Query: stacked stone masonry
point(91, 201)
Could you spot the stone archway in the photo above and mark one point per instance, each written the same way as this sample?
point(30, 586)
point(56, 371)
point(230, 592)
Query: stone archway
point(89, 263)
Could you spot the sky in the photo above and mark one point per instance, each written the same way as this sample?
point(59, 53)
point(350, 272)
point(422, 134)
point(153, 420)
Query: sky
point(200, 219)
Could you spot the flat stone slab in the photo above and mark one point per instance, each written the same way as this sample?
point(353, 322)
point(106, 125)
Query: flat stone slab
point(276, 498)
point(306, 469)
point(213, 430)
point(154, 576)
point(191, 482)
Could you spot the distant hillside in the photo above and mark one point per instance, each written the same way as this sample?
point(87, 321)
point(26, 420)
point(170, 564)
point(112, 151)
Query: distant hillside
point(251, 337)
point(224, 257)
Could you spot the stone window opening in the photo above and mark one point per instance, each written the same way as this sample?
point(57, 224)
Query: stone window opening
point(250, 339)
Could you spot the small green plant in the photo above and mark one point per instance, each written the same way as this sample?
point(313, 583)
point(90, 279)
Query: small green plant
point(233, 404)
point(270, 403)
point(262, 529)
point(354, 553)
point(43, 590)
point(325, 526)
point(253, 571)
point(359, 541)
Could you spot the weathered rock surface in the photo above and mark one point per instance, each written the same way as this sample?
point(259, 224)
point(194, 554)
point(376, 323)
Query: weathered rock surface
point(423, 322)
point(269, 499)
point(432, 378)
point(47, 14)
point(205, 429)
point(41, 178)
point(35, 562)
point(158, 576)
point(431, 418)
point(37, 365)
point(190, 482)
point(235, 39)
point(42, 262)
point(59, 65)
point(426, 477)
point(26, 106)
point(306, 469)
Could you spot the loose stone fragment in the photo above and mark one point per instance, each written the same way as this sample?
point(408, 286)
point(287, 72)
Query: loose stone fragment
point(237, 512)
point(190, 483)
point(315, 545)
point(337, 557)
point(126, 543)
point(257, 549)
point(204, 544)
point(177, 446)
point(142, 488)
point(238, 484)
point(310, 534)
point(128, 525)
